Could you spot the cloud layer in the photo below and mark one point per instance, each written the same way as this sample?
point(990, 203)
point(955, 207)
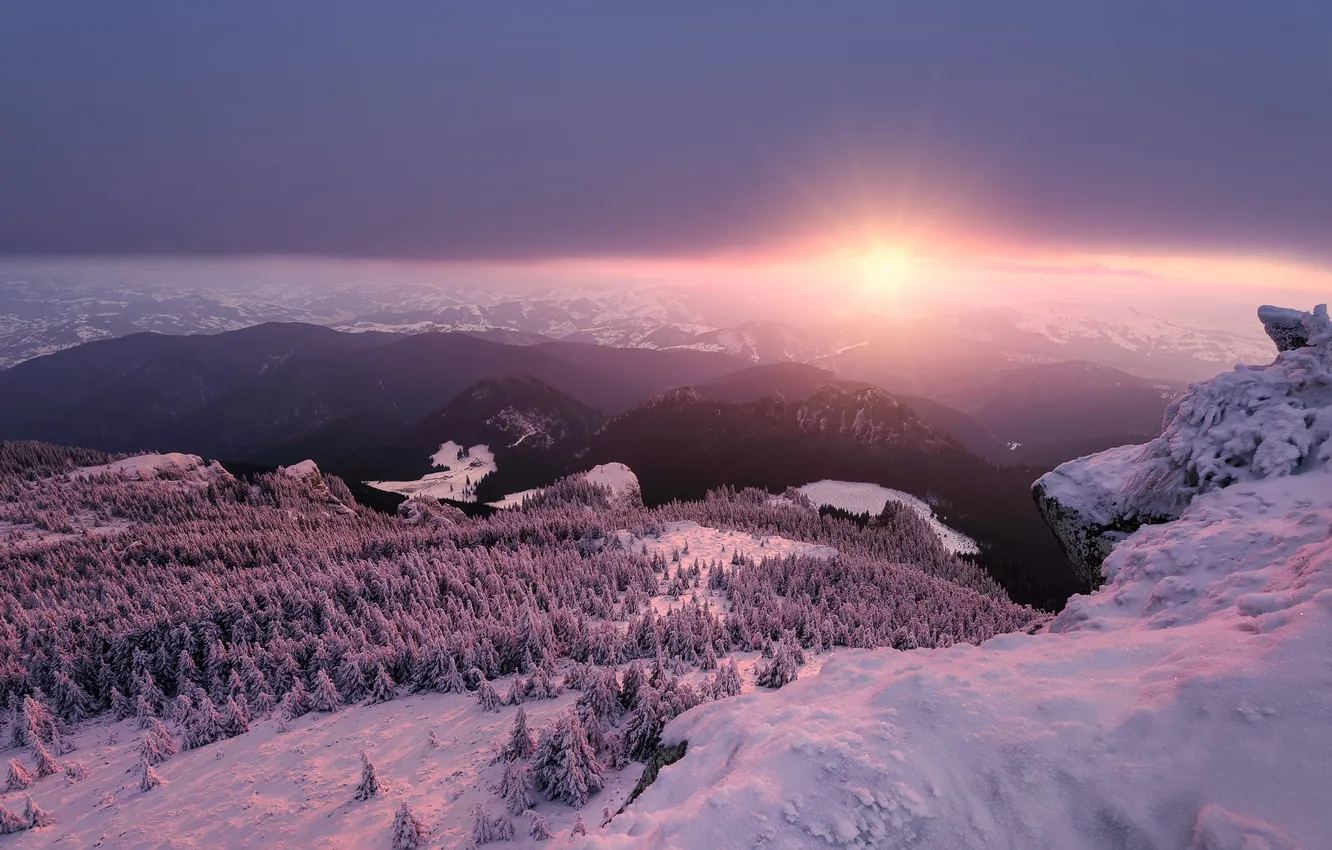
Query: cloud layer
point(587, 128)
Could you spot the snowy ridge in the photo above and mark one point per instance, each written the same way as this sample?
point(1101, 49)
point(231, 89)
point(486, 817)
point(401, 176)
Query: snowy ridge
point(1185, 704)
point(1252, 423)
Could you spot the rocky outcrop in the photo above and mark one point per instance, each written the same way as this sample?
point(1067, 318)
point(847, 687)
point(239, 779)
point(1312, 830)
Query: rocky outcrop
point(1254, 422)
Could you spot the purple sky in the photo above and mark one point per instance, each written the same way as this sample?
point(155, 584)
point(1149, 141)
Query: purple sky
point(510, 131)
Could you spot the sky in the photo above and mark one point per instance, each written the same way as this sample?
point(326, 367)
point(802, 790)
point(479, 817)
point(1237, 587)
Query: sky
point(886, 144)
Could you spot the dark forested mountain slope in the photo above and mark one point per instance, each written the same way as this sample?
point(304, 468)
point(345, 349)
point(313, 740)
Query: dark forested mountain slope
point(245, 393)
point(681, 445)
point(797, 381)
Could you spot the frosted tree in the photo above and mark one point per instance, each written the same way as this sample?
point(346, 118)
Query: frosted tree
point(369, 785)
point(726, 681)
point(203, 726)
point(164, 738)
point(521, 743)
point(538, 827)
point(781, 670)
point(579, 828)
point(234, 722)
point(46, 763)
point(35, 816)
point(19, 778)
point(487, 828)
point(486, 696)
point(408, 831)
point(382, 688)
point(434, 741)
point(453, 680)
point(517, 689)
point(144, 711)
point(150, 749)
point(75, 772)
point(11, 823)
point(564, 765)
point(297, 699)
point(325, 696)
point(149, 778)
point(516, 788)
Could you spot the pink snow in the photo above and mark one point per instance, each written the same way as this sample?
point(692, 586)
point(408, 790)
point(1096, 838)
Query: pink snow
point(1187, 703)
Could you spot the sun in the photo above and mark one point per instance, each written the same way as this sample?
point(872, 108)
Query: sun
point(884, 267)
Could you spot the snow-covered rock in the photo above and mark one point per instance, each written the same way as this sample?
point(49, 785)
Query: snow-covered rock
point(1253, 423)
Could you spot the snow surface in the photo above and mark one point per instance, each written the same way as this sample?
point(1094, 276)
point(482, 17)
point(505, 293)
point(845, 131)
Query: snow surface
point(619, 478)
point(452, 483)
point(295, 789)
point(1185, 704)
point(172, 465)
point(862, 497)
point(699, 542)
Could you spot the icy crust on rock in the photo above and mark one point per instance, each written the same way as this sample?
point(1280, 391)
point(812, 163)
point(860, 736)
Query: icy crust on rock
point(1252, 423)
point(1186, 704)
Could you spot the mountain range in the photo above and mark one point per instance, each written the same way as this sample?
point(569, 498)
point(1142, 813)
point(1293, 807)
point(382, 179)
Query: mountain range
point(41, 313)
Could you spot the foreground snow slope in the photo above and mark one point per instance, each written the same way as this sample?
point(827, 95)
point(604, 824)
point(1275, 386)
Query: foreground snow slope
point(1186, 704)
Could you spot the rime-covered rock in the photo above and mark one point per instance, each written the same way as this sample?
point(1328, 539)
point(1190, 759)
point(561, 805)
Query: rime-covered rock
point(1252, 423)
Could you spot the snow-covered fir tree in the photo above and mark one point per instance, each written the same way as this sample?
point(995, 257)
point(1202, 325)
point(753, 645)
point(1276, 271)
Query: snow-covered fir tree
point(408, 832)
point(564, 764)
point(369, 785)
point(516, 788)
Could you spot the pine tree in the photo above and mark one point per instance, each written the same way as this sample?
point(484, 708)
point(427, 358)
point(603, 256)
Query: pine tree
point(782, 670)
point(369, 785)
point(203, 726)
point(34, 816)
point(579, 828)
point(486, 829)
point(164, 739)
point(121, 706)
point(46, 763)
point(11, 823)
point(538, 827)
point(453, 681)
point(149, 778)
point(521, 742)
point(150, 749)
point(408, 831)
point(297, 700)
point(19, 778)
point(143, 711)
point(382, 688)
point(234, 722)
point(434, 741)
point(75, 772)
point(486, 696)
point(517, 692)
point(325, 696)
point(564, 765)
point(726, 681)
point(516, 788)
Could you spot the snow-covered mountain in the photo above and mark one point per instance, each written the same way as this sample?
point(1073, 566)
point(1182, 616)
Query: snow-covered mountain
point(1187, 703)
point(43, 313)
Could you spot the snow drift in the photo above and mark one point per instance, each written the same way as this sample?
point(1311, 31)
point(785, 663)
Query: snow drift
point(1186, 704)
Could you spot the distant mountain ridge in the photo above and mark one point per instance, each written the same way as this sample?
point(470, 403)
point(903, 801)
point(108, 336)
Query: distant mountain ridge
point(40, 315)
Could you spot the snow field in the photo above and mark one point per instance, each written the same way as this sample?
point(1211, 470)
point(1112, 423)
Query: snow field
point(698, 542)
point(456, 482)
point(862, 497)
point(296, 788)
